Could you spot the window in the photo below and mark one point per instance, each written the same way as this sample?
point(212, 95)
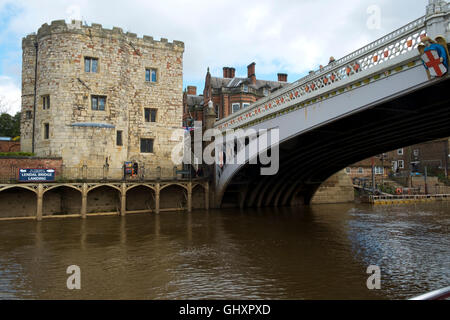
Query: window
point(146, 145)
point(46, 102)
point(150, 75)
point(28, 115)
point(416, 153)
point(98, 103)
point(245, 88)
point(217, 112)
point(401, 164)
point(360, 170)
point(379, 170)
point(266, 92)
point(119, 141)
point(235, 107)
point(91, 65)
point(46, 131)
point(400, 152)
point(245, 105)
point(150, 115)
point(348, 170)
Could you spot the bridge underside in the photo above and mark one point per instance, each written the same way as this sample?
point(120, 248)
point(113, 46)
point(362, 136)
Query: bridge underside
point(306, 161)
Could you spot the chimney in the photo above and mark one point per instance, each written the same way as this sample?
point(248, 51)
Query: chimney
point(226, 72)
point(282, 77)
point(191, 90)
point(232, 73)
point(251, 72)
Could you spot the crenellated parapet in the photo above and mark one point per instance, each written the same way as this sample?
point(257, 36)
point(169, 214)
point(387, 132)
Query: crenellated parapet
point(97, 30)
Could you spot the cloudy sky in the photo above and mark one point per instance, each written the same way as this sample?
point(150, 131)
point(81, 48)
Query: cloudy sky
point(288, 36)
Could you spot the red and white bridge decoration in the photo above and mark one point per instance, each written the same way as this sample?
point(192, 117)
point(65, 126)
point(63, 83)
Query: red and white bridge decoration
point(393, 45)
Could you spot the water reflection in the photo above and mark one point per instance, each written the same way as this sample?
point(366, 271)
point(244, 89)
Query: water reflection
point(319, 252)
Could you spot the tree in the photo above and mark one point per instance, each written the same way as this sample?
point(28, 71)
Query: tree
point(9, 125)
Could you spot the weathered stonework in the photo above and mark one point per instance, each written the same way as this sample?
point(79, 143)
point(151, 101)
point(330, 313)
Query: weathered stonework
point(122, 61)
point(337, 189)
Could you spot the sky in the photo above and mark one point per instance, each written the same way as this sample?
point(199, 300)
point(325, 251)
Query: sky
point(280, 36)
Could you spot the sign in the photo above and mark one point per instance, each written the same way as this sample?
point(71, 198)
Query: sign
point(34, 175)
point(128, 167)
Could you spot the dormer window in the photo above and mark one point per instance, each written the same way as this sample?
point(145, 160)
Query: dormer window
point(245, 88)
point(266, 92)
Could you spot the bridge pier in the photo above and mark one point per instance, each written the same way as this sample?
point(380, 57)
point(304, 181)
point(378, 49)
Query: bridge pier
point(84, 192)
point(40, 202)
point(123, 200)
point(189, 190)
point(157, 197)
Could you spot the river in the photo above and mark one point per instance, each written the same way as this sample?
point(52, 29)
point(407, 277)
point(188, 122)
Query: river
point(318, 252)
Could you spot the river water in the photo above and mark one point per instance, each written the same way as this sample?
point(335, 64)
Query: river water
point(318, 252)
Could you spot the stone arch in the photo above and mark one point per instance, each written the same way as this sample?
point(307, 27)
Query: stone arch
point(104, 185)
point(18, 201)
point(141, 198)
point(173, 196)
point(174, 184)
point(63, 185)
point(19, 187)
point(103, 199)
point(62, 200)
point(141, 185)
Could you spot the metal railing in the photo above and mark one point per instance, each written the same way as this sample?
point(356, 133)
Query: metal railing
point(106, 173)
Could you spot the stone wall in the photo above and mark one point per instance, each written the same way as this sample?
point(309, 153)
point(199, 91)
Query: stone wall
point(337, 189)
point(75, 134)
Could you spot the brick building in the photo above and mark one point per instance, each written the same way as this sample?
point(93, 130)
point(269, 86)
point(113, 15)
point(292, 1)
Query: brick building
point(228, 93)
point(433, 154)
point(101, 97)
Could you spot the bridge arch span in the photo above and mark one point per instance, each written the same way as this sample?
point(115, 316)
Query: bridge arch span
point(310, 157)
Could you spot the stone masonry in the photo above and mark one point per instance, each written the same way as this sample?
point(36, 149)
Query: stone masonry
point(81, 135)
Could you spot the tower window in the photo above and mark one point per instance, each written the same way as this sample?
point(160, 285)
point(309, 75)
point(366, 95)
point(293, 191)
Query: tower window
point(98, 103)
point(150, 115)
point(119, 141)
point(46, 131)
point(91, 64)
point(46, 102)
point(28, 115)
point(146, 145)
point(150, 75)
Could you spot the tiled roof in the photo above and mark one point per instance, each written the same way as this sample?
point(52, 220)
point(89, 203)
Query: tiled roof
point(217, 83)
point(194, 100)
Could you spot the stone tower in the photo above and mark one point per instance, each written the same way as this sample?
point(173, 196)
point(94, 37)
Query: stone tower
point(99, 96)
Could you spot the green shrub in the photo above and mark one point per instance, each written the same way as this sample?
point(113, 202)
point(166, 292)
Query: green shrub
point(16, 154)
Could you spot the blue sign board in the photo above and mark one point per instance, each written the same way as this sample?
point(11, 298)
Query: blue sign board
point(33, 175)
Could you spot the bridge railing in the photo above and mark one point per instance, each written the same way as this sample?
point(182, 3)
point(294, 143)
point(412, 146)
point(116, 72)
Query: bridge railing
point(332, 76)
